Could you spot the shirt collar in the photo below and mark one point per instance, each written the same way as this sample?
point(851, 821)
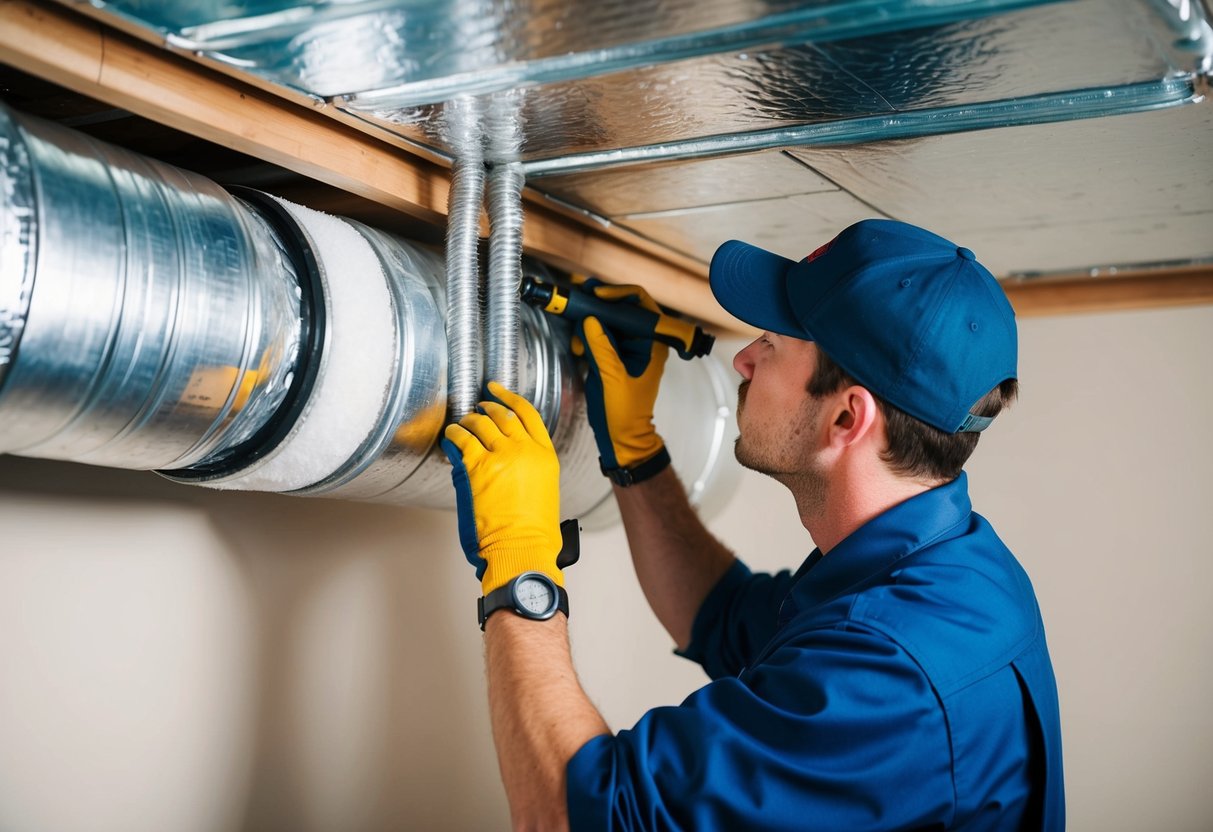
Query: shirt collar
point(879, 543)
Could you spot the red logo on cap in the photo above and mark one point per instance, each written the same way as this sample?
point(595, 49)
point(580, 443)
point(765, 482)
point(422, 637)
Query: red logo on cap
point(819, 252)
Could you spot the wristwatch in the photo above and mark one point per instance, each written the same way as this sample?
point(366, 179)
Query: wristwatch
point(532, 595)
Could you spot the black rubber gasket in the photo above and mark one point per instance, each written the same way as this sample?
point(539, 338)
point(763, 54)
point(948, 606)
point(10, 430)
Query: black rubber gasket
point(312, 324)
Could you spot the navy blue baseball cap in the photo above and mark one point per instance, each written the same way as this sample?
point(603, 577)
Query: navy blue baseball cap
point(912, 317)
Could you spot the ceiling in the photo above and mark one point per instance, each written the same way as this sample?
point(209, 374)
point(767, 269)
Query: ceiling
point(1048, 137)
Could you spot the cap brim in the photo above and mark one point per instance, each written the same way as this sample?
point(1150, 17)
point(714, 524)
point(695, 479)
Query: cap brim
point(751, 284)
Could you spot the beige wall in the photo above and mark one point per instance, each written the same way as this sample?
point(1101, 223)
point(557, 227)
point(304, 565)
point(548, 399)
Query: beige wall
point(176, 659)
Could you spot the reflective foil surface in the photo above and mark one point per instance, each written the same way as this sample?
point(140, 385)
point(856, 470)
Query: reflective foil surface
point(690, 122)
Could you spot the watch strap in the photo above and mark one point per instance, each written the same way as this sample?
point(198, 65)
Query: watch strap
point(640, 472)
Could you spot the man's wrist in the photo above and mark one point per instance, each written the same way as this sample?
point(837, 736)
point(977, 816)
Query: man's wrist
point(625, 476)
point(531, 595)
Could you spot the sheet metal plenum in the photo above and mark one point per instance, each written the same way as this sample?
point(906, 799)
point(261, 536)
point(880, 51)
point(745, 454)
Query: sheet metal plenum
point(333, 49)
point(1052, 48)
point(344, 48)
point(1118, 189)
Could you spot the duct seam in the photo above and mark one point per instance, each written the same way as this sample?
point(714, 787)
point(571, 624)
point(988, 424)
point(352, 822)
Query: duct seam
point(18, 237)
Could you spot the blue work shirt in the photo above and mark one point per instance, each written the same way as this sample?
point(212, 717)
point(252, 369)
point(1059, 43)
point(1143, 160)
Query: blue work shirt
point(902, 682)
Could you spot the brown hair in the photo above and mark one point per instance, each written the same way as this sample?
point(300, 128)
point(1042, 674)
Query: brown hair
point(916, 449)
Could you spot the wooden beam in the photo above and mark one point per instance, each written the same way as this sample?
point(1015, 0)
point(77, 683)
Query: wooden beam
point(1186, 286)
point(96, 60)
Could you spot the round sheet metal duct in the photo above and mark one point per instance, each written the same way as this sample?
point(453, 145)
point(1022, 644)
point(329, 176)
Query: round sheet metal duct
point(150, 319)
point(138, 335)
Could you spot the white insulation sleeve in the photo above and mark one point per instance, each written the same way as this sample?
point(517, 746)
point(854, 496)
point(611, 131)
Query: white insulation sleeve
point(356, 367)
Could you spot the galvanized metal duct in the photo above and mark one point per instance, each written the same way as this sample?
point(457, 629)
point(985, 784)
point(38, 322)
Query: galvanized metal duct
point(151, 320)
point(147, 343)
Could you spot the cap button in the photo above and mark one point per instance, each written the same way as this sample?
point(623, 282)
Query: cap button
point(965, 253)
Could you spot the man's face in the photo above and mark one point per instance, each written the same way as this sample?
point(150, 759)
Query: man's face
point(775, 413)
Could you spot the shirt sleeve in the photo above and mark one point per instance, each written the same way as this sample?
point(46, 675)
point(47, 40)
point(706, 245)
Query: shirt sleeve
point(836, 729)
point(736, 620)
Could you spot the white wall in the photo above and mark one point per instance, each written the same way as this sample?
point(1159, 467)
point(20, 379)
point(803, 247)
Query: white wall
point(172, 658)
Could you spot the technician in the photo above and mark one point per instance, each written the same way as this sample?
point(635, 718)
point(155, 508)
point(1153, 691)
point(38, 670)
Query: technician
point(899, 679)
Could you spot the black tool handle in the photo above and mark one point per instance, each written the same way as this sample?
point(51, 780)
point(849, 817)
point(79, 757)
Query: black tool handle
point(624, 318)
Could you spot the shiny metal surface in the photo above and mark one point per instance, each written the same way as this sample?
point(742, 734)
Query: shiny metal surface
point(1057, 48)
point(550, 378)
point(18, 238)
point(612, 87)
point(1050, 107)
point(464, 129)
point(505, 273)
point(503, 136)
point(149, 339)
point(427, 51)
point(164, 331)
point(788, 24)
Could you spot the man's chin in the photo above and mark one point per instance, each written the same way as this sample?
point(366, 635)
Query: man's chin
point(746, 459)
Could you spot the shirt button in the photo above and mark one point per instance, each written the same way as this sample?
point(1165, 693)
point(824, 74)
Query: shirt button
point(966, 254)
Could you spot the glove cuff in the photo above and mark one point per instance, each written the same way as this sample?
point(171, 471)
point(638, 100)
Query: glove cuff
point(509, 560)
point(640, 472)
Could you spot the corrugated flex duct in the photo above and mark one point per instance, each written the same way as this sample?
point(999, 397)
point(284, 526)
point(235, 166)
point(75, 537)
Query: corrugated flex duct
point(150, 319)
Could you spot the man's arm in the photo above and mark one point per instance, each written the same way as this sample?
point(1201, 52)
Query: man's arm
point(541, 716)
point(677, 560)
point(506, 477)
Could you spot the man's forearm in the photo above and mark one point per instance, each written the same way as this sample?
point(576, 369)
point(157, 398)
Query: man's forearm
point(541, 716)
point(677, 559)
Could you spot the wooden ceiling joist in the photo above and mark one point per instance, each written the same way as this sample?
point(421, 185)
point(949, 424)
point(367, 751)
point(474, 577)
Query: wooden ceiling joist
point(1180, 286)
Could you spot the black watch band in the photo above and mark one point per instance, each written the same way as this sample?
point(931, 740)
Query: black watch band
point(640, 472)
point(506, 598)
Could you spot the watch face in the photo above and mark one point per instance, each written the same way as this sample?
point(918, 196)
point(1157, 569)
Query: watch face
point(535, 595)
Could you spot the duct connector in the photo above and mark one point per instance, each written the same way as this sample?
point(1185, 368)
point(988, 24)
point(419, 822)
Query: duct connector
point(152, 320)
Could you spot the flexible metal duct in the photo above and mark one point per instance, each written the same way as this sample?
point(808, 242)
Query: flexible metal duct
point(463, 262)
point(504, 137)
point(151, 320)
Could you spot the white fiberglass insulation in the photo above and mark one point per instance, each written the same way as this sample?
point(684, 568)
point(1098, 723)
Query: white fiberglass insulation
point(357, 366)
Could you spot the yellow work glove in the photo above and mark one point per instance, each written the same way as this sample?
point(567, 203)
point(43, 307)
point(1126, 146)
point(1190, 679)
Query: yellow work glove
point(621, 386)
point(507, 490)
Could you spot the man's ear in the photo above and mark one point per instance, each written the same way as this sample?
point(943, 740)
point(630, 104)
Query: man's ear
point(856, 416)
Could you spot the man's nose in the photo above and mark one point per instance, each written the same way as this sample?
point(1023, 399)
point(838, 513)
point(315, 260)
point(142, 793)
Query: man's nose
point(743, 363)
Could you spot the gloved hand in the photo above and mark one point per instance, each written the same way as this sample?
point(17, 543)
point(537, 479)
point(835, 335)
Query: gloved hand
point(507, 490)
point(621, 388)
